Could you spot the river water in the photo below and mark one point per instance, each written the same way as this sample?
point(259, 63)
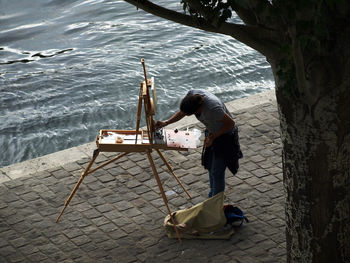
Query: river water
point(69, 68)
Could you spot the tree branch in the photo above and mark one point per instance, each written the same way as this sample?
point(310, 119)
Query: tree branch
point(258, 12)
point(263, 40)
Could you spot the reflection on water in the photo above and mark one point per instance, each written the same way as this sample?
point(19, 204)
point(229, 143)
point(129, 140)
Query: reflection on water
point(71, 68)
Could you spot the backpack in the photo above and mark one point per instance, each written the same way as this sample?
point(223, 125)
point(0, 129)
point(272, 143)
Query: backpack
point(234, 215)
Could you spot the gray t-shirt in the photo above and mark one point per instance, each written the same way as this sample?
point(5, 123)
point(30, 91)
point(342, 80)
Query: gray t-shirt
point(213, 111)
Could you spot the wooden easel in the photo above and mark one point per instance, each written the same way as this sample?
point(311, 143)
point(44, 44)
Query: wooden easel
point(137, 146)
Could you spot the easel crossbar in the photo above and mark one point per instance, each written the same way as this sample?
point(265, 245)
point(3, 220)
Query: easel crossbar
point(108, 162)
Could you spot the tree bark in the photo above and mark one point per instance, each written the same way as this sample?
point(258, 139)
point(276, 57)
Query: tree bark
point(316, 169)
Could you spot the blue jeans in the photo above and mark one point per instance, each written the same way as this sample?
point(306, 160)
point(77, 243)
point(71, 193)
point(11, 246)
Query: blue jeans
point(216, 176)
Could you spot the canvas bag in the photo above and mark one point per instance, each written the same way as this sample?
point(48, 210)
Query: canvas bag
point(205, 220)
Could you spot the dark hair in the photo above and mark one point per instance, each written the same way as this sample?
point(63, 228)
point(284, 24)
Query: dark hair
point(191, 103)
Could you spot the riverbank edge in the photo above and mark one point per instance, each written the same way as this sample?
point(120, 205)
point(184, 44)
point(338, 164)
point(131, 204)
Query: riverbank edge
point(60, 158)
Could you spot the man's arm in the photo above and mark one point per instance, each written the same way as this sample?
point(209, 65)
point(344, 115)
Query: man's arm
point(227, 124)
point(176, 117)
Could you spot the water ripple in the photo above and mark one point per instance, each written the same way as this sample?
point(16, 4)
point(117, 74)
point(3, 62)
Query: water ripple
point(69, 68)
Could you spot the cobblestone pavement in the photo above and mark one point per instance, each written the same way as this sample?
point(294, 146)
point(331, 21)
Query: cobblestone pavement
point(117, 213)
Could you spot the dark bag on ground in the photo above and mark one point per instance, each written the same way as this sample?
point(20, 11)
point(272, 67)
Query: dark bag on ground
point(234, 215)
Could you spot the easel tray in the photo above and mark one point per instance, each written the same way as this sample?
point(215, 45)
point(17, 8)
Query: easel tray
point(125, 141)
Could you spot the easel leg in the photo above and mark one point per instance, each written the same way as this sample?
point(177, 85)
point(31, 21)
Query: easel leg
point(95, 154)
point(162, 192)
point(139, 109)
point(172, 172)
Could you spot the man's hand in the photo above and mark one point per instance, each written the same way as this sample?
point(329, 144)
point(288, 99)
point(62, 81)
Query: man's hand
point(160, 124)
point(208, 140)
point(176, 117)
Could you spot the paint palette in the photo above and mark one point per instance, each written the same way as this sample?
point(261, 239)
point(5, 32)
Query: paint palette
point(180, 139)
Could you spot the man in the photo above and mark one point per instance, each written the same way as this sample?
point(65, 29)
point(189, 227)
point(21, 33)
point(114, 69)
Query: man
point(221, 145)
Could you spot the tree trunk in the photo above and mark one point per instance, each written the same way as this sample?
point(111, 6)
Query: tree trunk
point(316, 169)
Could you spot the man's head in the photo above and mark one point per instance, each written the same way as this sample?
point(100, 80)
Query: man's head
point(191, 104)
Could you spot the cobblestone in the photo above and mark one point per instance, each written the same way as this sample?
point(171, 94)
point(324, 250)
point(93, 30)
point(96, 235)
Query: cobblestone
point(117, 212)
